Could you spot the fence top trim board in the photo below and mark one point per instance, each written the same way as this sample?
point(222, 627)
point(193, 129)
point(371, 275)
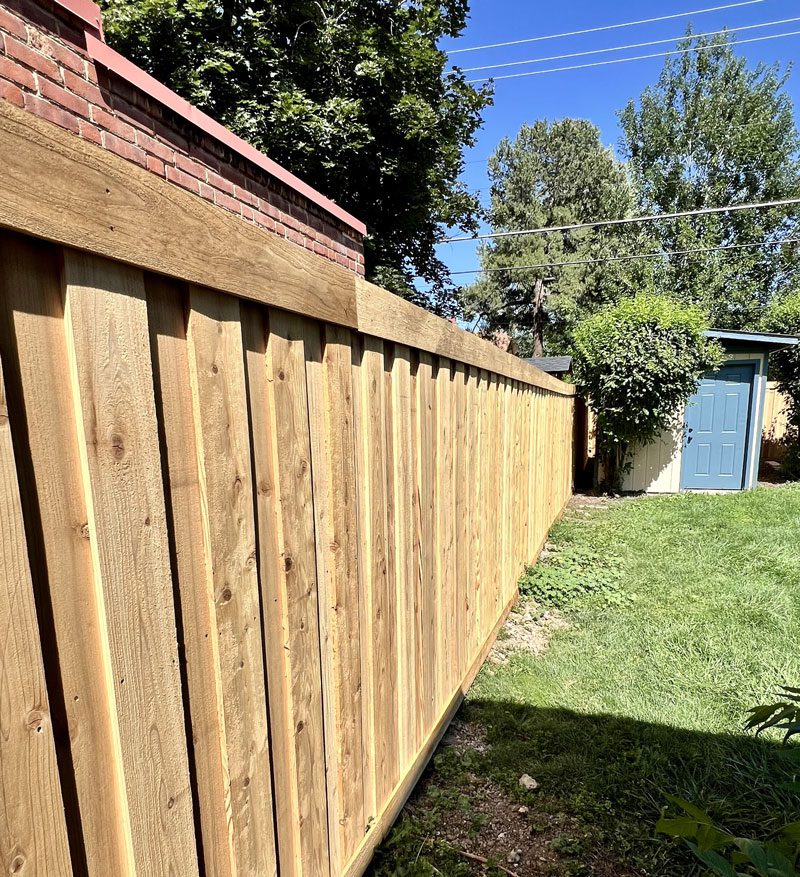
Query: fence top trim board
point(90, 199)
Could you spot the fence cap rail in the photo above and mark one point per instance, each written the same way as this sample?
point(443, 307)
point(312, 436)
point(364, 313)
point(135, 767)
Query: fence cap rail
point(392, 318)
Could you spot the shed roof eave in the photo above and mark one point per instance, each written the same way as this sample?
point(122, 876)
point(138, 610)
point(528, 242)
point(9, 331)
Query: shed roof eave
point(765, 339)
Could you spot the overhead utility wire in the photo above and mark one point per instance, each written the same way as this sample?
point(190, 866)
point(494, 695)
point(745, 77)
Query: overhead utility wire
point(776, 36)
point(629, 258)
point(574, 33)
point(600, 223)
point(710, 33)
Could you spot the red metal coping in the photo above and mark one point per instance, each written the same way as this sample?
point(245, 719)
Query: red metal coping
point(100, 52)
point(88, 12)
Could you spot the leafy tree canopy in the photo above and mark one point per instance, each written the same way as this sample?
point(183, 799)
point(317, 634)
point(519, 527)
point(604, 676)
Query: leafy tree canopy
point(555, 173)
point(351, 95)
point(638, 362)
point(712, 132)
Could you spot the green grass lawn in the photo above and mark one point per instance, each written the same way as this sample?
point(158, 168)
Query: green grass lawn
point(632, 700)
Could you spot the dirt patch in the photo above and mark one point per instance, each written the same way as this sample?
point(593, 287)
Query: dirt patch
point(527, 840)
point(528, 628)
point(466, 737)
point(586, 501)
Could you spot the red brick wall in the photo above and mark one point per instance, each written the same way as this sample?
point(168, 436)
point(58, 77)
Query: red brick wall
point(45, 68)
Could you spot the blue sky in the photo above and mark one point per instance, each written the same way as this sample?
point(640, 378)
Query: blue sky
point(595, 93)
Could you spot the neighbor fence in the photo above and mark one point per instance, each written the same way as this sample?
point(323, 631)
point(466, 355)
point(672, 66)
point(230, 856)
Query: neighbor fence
point(260, 523)
point(775, 424)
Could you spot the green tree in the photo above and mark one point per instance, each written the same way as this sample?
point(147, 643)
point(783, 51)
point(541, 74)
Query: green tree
point(350, 95)
point(714, 132)
point(553, 174)
point(637, 362)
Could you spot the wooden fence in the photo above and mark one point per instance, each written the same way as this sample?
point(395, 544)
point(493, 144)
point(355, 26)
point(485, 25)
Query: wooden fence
point(255, 542)
point(775, 423)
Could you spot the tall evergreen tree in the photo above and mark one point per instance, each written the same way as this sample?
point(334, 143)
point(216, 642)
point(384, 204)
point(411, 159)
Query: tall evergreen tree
point(555, 173)
point(351, 95)
point(713, 132)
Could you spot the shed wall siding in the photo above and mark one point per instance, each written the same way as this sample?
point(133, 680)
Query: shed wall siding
point(657, 467)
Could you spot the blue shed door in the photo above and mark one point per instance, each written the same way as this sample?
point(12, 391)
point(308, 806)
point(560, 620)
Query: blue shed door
point(715, 440)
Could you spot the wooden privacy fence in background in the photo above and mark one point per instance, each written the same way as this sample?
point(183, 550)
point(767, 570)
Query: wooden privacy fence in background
point(775, 423)
point(255, 542)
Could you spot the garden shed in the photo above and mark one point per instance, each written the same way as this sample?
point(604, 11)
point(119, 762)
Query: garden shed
point(716, 441)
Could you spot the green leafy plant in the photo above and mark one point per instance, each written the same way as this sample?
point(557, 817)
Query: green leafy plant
point(783, 316)
point(571, 575)
point(783, 715)
point(637, 362)
point(724, 853)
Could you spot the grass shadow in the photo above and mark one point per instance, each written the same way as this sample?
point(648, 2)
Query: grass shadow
point(603, 780)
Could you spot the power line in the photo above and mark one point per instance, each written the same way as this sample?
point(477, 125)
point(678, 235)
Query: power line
point(791, 33)
point(600, 223)
point(629, 258)
point(710, 33)
point(574, 33)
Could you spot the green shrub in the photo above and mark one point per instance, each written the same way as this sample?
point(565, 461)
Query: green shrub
point(572, 574)
point(784, 317)
point(637, 362)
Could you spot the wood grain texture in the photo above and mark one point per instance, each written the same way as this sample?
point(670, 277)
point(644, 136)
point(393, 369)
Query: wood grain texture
point(166, 302)
point(461, 522)
point(279, 405)
point(33, 835)
point(331, 415)
point(364, 594)
point(446, 648)
point(474, 485)
point(395, 803)
point(416, 544)
point(426, 429)
point(222, 430)
point(274, 597)
point(107, 339)
point(378, 588)
point(402, 463)
point(90, 199)
point(33, 346)
point(327, 526)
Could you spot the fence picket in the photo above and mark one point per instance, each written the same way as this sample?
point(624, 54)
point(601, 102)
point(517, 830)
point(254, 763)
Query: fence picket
point(33, 836)
point(108, 342)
